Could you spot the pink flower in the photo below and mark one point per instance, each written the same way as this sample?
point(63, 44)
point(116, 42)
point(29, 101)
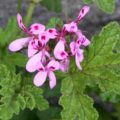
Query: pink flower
point(33, 47)
point(37, 59)
point(82, 40)
point(48, 70)
point(64, 65)
point(83, 12)
point(19, 44)
point(34, 28)
point(59, 50)
point(78, 53)
point(44, 38)
point(23, 42)
point(52, 33)
point(69, 40)
point(72, 27)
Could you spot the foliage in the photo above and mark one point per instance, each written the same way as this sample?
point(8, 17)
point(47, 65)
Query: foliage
point(52, 5)
point(21, 100)
point(9, 33)
point(106, 5)
point(16, 96)
point(98, 64)
point(76, 105)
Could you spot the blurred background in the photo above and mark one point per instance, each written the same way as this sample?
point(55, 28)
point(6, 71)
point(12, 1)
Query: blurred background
point(92, 23)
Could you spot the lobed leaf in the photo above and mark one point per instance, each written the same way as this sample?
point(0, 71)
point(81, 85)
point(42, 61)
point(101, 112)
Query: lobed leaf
point(76, 105)
point(16, 96)
point(101, 63)
point(107, 6)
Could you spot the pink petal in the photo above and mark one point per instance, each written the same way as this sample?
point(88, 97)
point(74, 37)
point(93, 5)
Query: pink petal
point(82, 40)
point(52, 33)
point(18, 44)
point(79, 34)
point(79, 58)
point(21, 24)
point(44, 38)
point(73, 48)
point(47, 54)
point(40, 78)
point(40, 67)
point(53, 65)
point(37, 28)
point(64, 65)
point(52, 78)
point(59, 50)
point(85, 41)
point(33, 62)
point(78, 43)
point(32, 48)
point(71, 27)
point(83, 12)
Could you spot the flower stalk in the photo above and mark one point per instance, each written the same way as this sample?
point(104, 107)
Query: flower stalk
point(19, 6)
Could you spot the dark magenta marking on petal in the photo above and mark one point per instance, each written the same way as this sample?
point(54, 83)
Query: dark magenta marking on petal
point(36, 27)
point(78, 41)
point(23, 28)
point(43, 37)
point(82, 10)
point(72, 27)
point(40, 69)
point(29, 29)
point(83, 40)
point(52, 67)
point(39, 44)
point(33, 42)
point(20, 21)
point(62, 53)
point(50, 31)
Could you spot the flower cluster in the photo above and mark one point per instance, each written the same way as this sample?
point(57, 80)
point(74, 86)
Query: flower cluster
point(41, 41)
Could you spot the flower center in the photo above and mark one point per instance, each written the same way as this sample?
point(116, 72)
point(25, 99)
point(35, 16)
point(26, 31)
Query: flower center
point(43, 37)
point(36, 27)
point(50, 31)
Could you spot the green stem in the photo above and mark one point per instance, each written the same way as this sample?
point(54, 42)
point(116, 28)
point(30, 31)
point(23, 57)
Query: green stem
point(30, 12)
point(19, 6)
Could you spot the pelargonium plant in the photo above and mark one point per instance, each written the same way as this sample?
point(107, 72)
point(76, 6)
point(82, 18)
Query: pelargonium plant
point(45, 59)
point(67, 76)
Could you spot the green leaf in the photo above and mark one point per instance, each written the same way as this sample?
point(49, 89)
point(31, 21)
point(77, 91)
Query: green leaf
point(9, 33)
point(26, 115)
point(87, 1)
point(110, 96)
point(17, 95)
point(37, 100)
point(52, 5)
point(53, 113)
point(106, 5)
point(100, 51)
point(101, 62)
point(16, 59)
point(76, 105)
point(54, 22)
point(117, 108)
